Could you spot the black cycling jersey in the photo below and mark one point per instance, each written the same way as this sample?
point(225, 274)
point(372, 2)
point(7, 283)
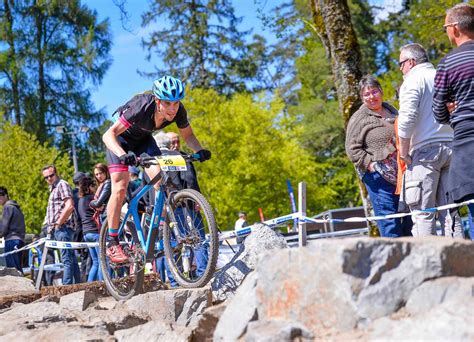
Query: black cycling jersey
point(138, 115)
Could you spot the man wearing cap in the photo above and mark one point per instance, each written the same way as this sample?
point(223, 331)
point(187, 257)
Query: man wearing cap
point(12, 228)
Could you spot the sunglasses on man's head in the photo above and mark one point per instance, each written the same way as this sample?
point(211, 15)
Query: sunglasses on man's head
point(49, 176)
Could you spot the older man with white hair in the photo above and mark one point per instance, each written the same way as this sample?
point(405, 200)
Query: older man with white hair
point(425, 145)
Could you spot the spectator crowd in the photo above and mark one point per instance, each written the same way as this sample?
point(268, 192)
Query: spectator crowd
point(419, 157)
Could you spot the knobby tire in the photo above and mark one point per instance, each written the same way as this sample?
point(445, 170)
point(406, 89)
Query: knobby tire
point(122, 288)
point(172, 253)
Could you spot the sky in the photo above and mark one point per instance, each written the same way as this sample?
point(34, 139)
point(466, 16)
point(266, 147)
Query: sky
point(122, 81)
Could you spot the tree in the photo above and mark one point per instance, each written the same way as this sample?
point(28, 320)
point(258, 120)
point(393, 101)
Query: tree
point(10, 64)
point(21, 161)
point(420, 22)
point(332, 21)
point(311, 93)
point(54, 49)
point(202, 45)
point(253, 155)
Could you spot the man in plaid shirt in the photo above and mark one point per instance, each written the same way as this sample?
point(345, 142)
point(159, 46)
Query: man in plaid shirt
point(60, 220)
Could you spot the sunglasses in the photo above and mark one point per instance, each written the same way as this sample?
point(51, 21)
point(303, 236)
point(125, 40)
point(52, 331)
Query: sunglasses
point(49, 176)
point(445, 26)
point(400, 64)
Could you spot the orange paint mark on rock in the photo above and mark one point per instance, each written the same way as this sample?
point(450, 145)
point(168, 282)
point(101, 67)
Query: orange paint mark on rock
point(278, 304)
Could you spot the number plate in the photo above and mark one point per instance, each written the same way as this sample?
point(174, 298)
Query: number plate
point(172, 163)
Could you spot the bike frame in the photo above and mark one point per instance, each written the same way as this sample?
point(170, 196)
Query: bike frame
point(147, 244)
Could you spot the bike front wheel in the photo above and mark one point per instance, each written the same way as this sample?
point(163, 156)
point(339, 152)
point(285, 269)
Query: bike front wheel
point(191, 257)
point(123, 281)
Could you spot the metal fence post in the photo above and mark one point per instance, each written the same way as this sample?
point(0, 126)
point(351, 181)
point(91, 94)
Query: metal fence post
point(302, 213)
point(43, 261)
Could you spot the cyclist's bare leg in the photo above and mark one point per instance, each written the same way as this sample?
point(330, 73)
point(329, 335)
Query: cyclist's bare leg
point(119, 189)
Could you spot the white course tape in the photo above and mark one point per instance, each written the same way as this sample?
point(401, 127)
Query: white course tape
point(247, 230)
point(397, 215)
point(54, 244)
point(24, 248)
point(70, 245)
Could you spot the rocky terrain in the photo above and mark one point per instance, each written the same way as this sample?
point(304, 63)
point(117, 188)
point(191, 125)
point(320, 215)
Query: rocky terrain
point(333, 289)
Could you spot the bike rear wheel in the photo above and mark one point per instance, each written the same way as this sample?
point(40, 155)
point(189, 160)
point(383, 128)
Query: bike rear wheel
point(191, 258)
point(123, 281)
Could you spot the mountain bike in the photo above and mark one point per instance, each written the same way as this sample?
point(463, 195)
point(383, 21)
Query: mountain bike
point(180, 222)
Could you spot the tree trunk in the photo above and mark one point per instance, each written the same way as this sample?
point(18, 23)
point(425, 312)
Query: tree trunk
point(333, 25)
point(42, 106)
point(13, 64)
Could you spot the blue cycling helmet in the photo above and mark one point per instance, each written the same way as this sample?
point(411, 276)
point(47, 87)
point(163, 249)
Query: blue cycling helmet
point(168, 88)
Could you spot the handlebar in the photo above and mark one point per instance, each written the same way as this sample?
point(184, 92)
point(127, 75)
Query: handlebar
point(146, 161)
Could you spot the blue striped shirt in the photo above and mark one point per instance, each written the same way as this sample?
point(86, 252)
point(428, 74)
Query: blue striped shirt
point(454, 81)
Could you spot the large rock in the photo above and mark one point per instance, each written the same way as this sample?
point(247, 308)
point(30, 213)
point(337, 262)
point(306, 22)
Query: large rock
point(58, 332)
point(240, 311)
point(339, 285)
point(32, 315)
point(434, 292)
point(13, 285)
point(181, 305)
point(277, 331)
point(205, 327)
point(10, 271)
point(110, 320)
point(450, 321)
point(78, 300)
point(229, 278)
point(155, 331)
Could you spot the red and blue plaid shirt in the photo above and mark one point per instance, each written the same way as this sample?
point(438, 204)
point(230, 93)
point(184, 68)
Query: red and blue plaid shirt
point(60, 192)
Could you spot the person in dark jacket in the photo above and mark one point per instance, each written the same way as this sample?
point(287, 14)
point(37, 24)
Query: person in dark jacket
point(12, 229)
point(102, 195)
point(89, 226)
point(78, 234)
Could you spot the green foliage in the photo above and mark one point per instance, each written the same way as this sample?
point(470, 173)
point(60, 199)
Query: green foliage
point(253, 155)
point(53, 50)
point(420, 22)
point(21, 161)
point(319, 127)
point(200, 44)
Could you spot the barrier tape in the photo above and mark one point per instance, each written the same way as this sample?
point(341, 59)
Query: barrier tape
point(47, 267)
point(247, 230)
point(29, 246)
point(397, 215)
point(70, 245)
